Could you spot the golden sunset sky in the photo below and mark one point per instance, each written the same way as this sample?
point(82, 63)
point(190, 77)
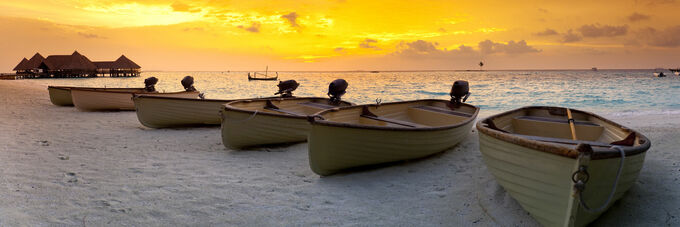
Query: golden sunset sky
point(347, 34)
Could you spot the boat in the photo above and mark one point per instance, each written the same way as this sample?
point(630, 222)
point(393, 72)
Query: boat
point(264, 76)
point(349, 137)
point(247, 123)
point(659, 72)
point(169, 112)
point(593, 69)
point(565, 167)
point(675, 71)
point(61, 95)
point(98, 100)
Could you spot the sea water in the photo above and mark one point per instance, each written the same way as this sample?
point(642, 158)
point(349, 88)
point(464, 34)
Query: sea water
point(627, 92)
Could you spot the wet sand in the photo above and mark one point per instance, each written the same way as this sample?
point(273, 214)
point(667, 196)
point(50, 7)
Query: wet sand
point(60, 166)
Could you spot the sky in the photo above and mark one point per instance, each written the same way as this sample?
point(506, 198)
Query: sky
point(317, 35)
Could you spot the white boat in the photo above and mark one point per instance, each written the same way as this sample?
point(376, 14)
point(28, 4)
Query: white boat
point(563, 174)
point(61, 95)
point(97, 100)
point(248, 123)
point(363, 135)
point(169, 112)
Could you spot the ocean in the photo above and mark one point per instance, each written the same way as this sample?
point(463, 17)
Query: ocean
point(617, 92)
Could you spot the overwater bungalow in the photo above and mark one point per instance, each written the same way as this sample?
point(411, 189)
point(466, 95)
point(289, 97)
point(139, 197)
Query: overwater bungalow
point(74, 65)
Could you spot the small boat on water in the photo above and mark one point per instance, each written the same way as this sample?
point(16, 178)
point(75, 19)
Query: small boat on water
point(348, 137)
point(675, 71)
point(86, 99)
point(659, 72)
point(264, 76)
point(565, 167)
point(247, 123)
point(61, 95)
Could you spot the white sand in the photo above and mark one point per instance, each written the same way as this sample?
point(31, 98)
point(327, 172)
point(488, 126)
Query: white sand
point(59, 166)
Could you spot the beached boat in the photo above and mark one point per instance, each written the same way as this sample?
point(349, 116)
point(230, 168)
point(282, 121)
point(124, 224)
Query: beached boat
point(168, 112)
point(534, 153)
point(98, 100)
point(271, 121)
point(362, 135)
point(61, 95)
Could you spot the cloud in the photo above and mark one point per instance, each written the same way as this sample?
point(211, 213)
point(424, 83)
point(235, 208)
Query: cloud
point(254, 27)
point(90, 35)
point(669, 37)
point(424, 49)
point(369, 43)
point(635, 17)
point(571, 37)
point(542, 10)
point(181, 7)
point(291, 18)
point(655, 2)
point(597, 30)
point(339, 49)
point(512, 47)
point(547, 32)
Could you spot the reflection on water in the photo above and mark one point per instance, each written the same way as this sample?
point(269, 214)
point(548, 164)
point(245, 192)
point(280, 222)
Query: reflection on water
point(494, 91)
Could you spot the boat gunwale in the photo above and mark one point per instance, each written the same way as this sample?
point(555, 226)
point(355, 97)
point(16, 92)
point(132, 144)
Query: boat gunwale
point(229, 107)
point(600, 153)
point(146, 96)
point(131, 92)
point(315, 121)
point(89, 88)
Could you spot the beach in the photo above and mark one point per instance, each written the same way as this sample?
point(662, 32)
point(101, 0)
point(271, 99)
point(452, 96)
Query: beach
point(60, 166)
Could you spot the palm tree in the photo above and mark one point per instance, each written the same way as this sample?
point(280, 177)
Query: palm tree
point(480, 65)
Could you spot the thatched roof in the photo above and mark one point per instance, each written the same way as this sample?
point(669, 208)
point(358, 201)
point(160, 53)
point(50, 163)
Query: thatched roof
point(21, 65)
point(75, 61)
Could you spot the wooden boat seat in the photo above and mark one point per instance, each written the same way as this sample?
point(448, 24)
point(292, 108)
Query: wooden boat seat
point(555, 128)
point(549, 119)
point(367, 114)
point(443, 110)
point(566, 141)
point(317, 105)
point(270, 106)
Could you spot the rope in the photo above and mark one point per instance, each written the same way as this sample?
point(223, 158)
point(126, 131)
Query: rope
point(244, 120)
point(611, 194)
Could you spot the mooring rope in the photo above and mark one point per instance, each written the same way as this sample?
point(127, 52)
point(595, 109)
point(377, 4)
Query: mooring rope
point(611, 194)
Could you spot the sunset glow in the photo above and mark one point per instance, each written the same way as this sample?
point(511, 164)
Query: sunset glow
point(347, 35)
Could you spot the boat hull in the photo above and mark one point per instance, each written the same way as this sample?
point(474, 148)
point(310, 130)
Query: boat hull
point(169, 112)
point(94, 100)
point(541, 182)
point(333, 149)
point(241, 129)
point(60, 96)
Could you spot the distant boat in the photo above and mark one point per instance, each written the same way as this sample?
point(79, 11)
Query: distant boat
point(263, 76)
point(675, 71)
point(375, 71)
point(658, 72)
point(594, 69)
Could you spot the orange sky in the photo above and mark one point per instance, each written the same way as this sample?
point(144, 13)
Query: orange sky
point(347, 34)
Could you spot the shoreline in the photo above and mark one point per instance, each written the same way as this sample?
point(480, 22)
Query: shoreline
point(60, 166)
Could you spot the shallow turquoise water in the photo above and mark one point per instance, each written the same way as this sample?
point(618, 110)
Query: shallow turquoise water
point(613, 92)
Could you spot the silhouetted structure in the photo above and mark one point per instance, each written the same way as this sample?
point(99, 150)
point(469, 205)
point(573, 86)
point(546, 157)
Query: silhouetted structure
point(74, 65)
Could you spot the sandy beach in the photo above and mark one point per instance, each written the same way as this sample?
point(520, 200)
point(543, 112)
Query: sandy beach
point(60, 166)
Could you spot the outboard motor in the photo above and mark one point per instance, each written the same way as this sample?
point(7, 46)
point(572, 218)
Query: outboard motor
point(188, 83)
point(287, 87)
point(336, 89)
point(149, 84)
point(460, 91)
